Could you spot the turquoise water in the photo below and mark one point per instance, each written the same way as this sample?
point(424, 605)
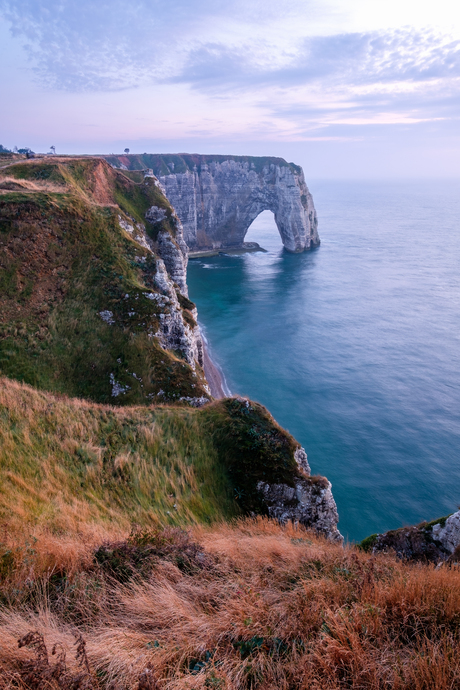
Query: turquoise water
point(354, 347)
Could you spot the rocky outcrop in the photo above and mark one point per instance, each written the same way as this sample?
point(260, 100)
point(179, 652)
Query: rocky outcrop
point(435, 542)
point(218, 197)
point(173, 250)
point(174, 254)
point(447, 532)
point(174, 333)
point(309, 502)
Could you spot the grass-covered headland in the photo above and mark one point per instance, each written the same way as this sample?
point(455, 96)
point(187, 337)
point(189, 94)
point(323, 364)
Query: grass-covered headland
point(72, 466)
point(131, 557)
point(65, 263)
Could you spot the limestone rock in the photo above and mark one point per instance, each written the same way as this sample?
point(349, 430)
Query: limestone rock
point(174, 333)
point(436, 541)
point(218, 202)
point(302, 461)
point(449, 534)
point(218, 197)
point(155, 214)
point(174, 254)
point(309, 502)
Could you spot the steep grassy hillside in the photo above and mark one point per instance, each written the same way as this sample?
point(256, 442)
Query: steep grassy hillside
point(65, 262)
point(80, 309)
point(70, 466)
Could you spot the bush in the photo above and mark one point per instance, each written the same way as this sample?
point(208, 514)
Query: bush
point(144, 548)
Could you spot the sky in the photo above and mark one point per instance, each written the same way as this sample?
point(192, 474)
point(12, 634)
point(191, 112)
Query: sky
point(346, 88)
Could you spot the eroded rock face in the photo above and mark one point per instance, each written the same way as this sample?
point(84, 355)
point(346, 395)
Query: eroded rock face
point(218, 197)
point(449, 533)
point(217, 202)
point(309, 502)
point(434, 542)
point(174, 332)
point(174, 254)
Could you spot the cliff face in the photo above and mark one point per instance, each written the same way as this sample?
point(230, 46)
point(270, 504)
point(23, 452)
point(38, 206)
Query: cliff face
point(218, 197)
point(434, 542)
point(309, 502)
point(173, 332)
point(93, 291)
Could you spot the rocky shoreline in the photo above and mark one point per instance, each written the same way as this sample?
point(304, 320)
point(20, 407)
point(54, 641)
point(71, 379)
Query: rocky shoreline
point(238, 249)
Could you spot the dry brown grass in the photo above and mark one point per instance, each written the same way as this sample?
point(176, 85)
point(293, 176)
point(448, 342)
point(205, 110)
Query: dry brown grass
point(256, 606)
point(8, 184)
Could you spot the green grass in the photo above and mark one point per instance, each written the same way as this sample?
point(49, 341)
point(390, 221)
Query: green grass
point(368, 543)
point(265, 452)
point(428, 526)
point(66, 463)
point(162, 164)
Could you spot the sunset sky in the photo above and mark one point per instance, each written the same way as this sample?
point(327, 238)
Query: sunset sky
point(346, 88)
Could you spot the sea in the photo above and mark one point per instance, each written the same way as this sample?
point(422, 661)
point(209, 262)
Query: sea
point(353, 347)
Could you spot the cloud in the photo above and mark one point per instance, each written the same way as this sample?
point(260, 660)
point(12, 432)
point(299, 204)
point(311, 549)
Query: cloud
point(230, 52)
point(102, 45)
point(88, 45)
point(394, 77)
point(355, 58)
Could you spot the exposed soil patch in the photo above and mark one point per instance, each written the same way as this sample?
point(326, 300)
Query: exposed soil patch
point(34, 265)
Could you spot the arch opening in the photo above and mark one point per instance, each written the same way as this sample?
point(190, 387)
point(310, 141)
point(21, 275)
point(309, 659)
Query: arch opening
point(265, 232)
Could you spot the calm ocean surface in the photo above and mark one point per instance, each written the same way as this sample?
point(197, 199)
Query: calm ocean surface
point(354, 347)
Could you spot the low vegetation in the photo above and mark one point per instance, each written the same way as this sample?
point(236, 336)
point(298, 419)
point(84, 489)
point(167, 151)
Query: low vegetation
point(128, 557)
point(242, 605)
point(69, 466)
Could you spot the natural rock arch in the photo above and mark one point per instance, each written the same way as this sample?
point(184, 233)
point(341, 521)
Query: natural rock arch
point(218, 197)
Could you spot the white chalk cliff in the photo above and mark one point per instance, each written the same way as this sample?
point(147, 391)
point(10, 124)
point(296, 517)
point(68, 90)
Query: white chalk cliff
point(218, 197)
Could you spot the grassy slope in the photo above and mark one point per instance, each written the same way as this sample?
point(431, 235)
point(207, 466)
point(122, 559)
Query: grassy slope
point(64, 259)
point(234, 607)
point(68, 465)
